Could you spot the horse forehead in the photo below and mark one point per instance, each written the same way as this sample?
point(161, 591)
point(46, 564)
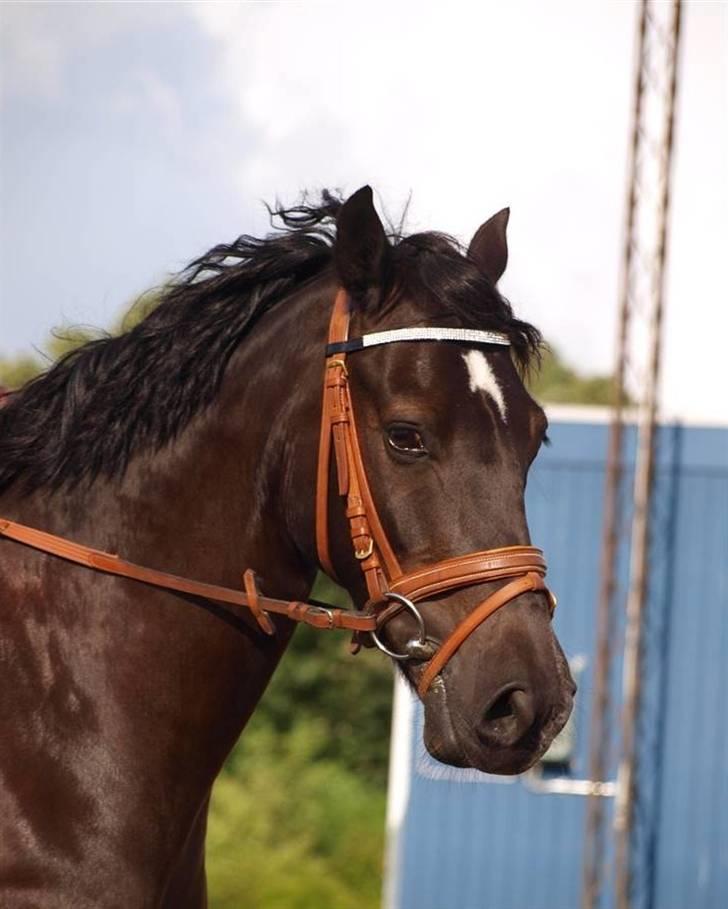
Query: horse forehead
point(482, 378)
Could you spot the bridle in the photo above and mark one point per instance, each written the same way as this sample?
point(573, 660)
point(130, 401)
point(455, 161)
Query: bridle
point(391, 590)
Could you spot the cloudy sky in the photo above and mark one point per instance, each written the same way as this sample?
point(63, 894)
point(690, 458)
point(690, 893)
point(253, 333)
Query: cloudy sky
point(134, 136)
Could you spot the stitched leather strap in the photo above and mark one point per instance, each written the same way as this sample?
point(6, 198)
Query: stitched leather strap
point(474, 568)
point(107, 563)
point(462, 632)
point(339, 328)
point(338, 431)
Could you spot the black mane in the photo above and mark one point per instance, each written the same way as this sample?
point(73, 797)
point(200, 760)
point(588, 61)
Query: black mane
point(114, 396)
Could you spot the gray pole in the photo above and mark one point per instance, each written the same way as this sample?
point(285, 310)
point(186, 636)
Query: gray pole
point(600, 737)
point(653, 172)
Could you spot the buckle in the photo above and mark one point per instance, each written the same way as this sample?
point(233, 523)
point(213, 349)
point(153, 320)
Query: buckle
point(322, 610)
point(362, 554)
point(331, 364)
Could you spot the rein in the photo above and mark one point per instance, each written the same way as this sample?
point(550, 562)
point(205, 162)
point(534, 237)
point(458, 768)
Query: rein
point(390, 589)
point(259, 605)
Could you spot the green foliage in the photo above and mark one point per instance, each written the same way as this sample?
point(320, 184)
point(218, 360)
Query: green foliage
point(290, 830)
point(318, 680)
point(557, 383)
point(297, 816)
point(16, 371)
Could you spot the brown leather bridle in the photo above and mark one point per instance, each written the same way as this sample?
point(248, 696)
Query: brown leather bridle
point(390, 589)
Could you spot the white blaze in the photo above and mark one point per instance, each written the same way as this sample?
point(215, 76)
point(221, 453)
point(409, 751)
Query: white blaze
point(482, 378)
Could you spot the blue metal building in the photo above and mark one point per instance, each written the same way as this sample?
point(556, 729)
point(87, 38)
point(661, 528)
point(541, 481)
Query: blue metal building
point(466, 840)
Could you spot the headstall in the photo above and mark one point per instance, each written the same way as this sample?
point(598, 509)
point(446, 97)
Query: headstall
point(390, 589)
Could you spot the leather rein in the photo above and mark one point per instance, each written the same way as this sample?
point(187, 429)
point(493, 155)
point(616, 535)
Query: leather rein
point(390, 589)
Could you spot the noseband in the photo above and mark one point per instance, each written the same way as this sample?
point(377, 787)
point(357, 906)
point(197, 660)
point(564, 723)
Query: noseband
point(391, 590)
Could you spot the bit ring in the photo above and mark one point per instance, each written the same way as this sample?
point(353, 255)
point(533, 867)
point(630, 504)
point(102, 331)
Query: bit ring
point(410, 607)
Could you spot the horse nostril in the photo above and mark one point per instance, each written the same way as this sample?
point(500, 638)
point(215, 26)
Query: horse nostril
point(508, 717)
point(501, 707)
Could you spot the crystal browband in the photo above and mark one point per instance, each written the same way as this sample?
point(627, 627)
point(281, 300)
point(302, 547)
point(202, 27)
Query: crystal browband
point(430, 333)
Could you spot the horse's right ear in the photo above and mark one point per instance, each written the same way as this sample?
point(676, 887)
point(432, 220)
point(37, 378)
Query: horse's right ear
point(362, 250)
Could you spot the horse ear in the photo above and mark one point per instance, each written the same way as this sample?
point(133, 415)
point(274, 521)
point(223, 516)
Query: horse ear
point(361, 250)
point(489, 248)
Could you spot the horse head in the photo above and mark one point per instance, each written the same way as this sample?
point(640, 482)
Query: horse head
point(446, 432)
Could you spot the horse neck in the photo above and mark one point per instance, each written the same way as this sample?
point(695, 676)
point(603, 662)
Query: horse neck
point(156, 687)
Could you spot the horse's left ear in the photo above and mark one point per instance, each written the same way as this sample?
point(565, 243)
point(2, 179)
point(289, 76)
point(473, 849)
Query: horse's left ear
point(361, 251)
point(489, 247)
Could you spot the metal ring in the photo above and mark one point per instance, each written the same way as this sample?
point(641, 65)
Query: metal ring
point(410, 606)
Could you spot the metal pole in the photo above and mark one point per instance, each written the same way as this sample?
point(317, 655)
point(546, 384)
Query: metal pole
point(600, 734)
point(627, 790)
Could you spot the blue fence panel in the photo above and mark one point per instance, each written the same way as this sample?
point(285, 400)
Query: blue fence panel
point(471, 841)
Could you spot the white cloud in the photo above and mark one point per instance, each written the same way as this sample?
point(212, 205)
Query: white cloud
point(468, 107)
point(32, 55)
point(145, 89)
point(471, 108)
point(39, 40)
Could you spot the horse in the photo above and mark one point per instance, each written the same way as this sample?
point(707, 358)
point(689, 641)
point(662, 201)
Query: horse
point(166, 463)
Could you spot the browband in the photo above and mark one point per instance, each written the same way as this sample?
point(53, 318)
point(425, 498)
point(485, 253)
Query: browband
point(429, 333)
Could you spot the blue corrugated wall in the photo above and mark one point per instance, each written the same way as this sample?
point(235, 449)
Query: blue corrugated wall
point(478, 842)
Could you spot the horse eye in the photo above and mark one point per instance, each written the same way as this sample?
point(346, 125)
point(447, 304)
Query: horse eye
point(406, 439)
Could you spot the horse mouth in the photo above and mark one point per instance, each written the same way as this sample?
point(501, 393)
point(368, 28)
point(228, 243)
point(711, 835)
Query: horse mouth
point(451, 739)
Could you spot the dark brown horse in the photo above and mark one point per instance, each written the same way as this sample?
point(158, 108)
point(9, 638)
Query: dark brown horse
point(190, 444)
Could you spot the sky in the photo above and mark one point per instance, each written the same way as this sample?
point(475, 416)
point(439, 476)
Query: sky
point(134, 136)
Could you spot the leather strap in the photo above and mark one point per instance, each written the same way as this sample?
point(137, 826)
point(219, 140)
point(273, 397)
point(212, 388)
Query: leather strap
point(474, 568)
point(309, 614)
point(331, 408)
point(462, 632)
point(251, 592)
point(338, 430)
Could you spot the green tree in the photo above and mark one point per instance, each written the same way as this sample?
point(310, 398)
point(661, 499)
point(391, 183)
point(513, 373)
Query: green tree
point(292, 830)
point(320, 681)
point(16, 370)
point(558, 383)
